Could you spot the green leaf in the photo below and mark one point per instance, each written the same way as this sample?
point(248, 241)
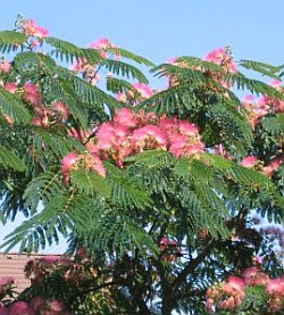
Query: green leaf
point(121, 68)
point(89, 182)
point(12, 107)
point(10, 41)
point(9, 159)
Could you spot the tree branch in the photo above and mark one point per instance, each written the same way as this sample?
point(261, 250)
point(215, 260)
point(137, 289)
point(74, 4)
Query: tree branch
point(190, 267)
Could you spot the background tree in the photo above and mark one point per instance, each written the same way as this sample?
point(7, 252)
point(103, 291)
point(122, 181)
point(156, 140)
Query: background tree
point(163, 191)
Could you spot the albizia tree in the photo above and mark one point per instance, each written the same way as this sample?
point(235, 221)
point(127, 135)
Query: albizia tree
point(171, 199)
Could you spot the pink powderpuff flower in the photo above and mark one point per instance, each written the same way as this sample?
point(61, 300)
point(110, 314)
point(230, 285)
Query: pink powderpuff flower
point(57, 306)
point(96, 164)
point(169, 125)
point(4, 66)
point(61, 109)
point(249, 161)
point(10, 87)
point(4, 311)
point(188, 129)
point(274, 104)
point(275, 84)
point(31, 93)
point(149, 137)
point(78, 65)
point(220, 57)
point(21, 308)
point(112, 137)
point(69, 161)
point(37, 303)
point(171, 61)
point(144, 90)
point(275, 287)
point(31, 29)
point(183, 146)
point(228, 304)
point(121, 97)
point(253, 276)
point(272, 166)
point(234, 285)
point(101, 43)
point(80, 135)
point(126, 117)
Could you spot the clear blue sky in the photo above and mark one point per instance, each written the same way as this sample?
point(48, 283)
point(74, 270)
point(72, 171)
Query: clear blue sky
point(158, 29)
point(161, 29)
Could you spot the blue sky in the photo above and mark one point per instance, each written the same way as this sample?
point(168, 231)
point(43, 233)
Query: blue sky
point(158, 29)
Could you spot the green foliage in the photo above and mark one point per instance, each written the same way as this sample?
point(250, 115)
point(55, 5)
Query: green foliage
point(11, 40)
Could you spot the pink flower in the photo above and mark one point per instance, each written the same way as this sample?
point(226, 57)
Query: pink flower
point(126, 117)
point(10, 87)
point(228, 304)
point(233, 285)
point(252, 276)
point(67, 164)
point(31, 93)
point(96, 164)
point(220, 57)
point(184, 146)
point(188, 129)
point(171, 61)
point(110, 137)
point(273, 166)
point(275, 287)
point(61, 109)
point(4, 66)
point(4, 311)
point(249, 161)
point(21, 308)
point(56, 305)
point(37, 302)
point(101, 43)
point(149, 137)
point(78, 65)
point(144, 90)
point(275, 83)
point(31, 29)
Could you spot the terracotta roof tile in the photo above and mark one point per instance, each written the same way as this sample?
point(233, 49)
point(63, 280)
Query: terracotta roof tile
point(13, 265)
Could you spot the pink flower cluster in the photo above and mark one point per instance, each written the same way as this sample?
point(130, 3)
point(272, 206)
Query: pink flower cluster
point(138, 93)
point(102, 44)
point(268, 169)
point(55, 113)
point(221, 57)
point(130, 133)
point(257, 109)
point(73, 270)
point(38, 306)
point(86, 160)
point(36, 34)
point(30, 28)
point(169, 250)
point(90, 71)
point(4, 66)
point(229, 295)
